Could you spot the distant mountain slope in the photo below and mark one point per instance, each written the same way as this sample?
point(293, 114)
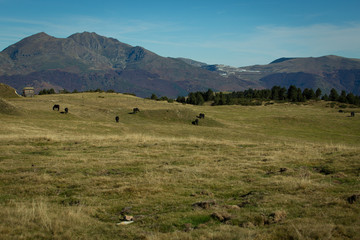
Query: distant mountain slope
point(86, 61)
point(323, 72)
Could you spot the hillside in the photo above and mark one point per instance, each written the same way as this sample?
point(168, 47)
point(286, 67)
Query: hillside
point(7, 91)
point(279, 171)
point(7, 108)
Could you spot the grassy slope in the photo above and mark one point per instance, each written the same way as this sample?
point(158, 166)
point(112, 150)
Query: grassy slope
point(70, 176)
point(7, 91)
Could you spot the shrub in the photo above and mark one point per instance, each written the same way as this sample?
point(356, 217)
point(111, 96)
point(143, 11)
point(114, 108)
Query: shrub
point(47, 91)
point(154, 97)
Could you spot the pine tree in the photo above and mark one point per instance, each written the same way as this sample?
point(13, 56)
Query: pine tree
point(181, 99)
point(154, 97)
point(292, 94)
point(191, 98)
point(308, 94)
point(282, 93)
point(350, 98)
point(199, 99)
point(275, 90)
point(325, 97)
point(300, 97)
point(342, 97)
point(333, 95)
point(209, 95)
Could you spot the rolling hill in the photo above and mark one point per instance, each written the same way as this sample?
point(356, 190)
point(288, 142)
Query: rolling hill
point(85, 61)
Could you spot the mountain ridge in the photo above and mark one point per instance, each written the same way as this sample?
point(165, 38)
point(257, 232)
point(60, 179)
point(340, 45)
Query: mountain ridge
point(87, 60)
point(93, 58)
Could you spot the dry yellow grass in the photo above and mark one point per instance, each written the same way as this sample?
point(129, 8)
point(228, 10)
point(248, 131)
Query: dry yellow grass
point(74, 176)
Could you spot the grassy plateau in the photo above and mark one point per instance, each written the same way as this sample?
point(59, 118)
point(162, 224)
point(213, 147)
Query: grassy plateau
point(277, 171)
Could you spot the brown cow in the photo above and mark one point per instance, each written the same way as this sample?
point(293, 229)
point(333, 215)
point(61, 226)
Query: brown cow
point(201, 115)
point(135, 110)
point(195, 122)
point(56, 106)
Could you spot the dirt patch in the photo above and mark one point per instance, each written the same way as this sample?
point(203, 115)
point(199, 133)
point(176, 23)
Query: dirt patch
point(204, 204)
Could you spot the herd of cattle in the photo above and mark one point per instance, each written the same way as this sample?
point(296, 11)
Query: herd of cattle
point(135, 110)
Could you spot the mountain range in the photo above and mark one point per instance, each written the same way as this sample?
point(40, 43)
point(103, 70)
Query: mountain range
point(85, 61)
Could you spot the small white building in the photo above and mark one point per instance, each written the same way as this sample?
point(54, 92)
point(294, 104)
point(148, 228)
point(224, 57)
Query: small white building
point(28, 92)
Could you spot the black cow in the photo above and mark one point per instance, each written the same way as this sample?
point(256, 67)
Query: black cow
point(56, 106)
point(135, 110)
point(117, 118)
point(353, 114)
point(66, 110)
point(201, 115)
point(195, 122)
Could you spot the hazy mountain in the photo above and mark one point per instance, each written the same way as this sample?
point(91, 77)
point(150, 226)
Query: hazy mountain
point(323, 72)
point(86, 61)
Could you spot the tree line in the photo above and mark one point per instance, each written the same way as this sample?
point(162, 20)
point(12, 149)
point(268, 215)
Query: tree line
point(276, 93)
point(248, 97)
point(64, 91)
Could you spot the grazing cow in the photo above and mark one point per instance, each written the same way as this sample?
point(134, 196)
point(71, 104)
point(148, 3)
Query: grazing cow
point(201, 115)
point(135, 110)
point(66, 110)
point(195, 122)
point(117, 118)
point(353, 114)
point(56, 106)
point(353, 199)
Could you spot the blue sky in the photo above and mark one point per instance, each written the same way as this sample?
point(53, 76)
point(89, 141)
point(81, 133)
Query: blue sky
point(236, 33)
